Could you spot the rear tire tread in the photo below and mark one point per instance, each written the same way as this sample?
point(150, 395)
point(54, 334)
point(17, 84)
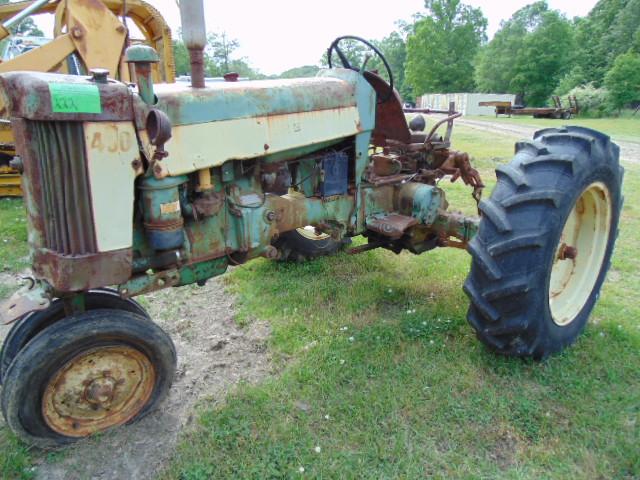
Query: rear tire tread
point(508, 254)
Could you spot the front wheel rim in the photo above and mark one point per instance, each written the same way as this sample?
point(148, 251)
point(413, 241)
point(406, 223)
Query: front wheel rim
point(97, 389)
point(580, 254)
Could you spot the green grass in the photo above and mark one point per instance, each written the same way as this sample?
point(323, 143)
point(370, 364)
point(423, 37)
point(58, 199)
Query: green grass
point(625, 129)
point(15, 458)
point(379, 369)
point(386, 378)
point(13, 236)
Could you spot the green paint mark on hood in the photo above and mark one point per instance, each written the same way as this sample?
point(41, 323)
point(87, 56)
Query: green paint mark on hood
point(75, 98)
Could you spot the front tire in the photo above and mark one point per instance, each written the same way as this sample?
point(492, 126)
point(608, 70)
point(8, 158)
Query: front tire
point(85, 374)
point(31, 324)
point(545, 242)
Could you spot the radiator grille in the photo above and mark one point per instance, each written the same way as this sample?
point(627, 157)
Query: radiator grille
point(66, 194)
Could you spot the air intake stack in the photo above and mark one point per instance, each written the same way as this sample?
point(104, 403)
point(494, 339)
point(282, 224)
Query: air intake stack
point(194, 35)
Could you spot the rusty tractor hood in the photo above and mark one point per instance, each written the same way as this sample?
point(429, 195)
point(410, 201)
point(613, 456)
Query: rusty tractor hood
point(50, 96)
point(234, 100)
point(220, 101)
point(271, 119)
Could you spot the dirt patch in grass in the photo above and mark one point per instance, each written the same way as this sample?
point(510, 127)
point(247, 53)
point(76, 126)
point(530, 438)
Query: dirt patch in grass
point(214, 355)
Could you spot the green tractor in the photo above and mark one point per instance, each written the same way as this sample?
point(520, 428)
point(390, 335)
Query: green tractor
point(129, 190)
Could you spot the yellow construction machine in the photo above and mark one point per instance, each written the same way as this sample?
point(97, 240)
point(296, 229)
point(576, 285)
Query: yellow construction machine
point(87, 34)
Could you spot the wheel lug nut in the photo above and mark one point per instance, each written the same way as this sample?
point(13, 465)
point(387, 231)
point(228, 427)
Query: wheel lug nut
point(567, 252)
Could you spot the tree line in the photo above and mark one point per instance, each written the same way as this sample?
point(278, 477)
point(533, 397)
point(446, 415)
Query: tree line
point(536, 53)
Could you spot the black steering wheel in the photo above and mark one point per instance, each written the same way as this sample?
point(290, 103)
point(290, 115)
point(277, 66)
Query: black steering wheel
point(346, 64)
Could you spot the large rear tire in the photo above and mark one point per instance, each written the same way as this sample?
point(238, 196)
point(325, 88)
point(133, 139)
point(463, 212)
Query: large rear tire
point(85, 374)
point(545, 242)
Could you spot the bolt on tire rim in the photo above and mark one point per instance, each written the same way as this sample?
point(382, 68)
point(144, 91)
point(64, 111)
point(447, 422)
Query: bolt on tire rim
point(99, 388)
point(309, 232)
point(580, 253)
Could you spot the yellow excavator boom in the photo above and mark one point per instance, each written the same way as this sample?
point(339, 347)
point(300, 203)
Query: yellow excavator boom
point(93, 32)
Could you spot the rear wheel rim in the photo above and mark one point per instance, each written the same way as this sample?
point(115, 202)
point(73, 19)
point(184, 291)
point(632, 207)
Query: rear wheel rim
point(309, 232)
point(580, 254)
point(97, 389)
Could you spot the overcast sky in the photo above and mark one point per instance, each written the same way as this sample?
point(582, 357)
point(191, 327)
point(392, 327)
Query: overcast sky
point(276, 35)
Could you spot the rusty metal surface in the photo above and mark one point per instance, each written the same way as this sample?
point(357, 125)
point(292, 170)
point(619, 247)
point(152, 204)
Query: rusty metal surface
point(74, 273)
point(208, 204)
point(253, 98)
point(385, 165)
point(97, 389)
point(29, 299)
point(392, 226)
point(33, 195)
point(196, 60)
point(455, 229)
point(567, 252)
point(30, 97)
point(391, 123)
point(66, 205)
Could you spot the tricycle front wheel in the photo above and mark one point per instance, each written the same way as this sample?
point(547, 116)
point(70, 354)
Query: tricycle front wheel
point(85, 374)
point(30, 325)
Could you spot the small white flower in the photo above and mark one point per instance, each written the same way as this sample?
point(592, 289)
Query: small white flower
point(351, 339)
point(431, 342)
point(342, 361)
point(424, 323)
point(413, 311)
point(344, 329)
point(390, 291)
point(602, 334)
point(301, 469)
point(327, 417)
point(317, 449)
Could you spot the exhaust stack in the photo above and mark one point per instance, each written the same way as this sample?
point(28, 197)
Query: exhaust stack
point(194, 35)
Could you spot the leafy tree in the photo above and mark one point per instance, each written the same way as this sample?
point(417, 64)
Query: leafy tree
point(394, 49)
point(609, 30)
point(442, 47)
point(300, 72)
point(354, 51)
point(358, 54)
point(220, 48)
point(528, 56)
point(623, 80)
point(181, 58)
point(219, 58)
point(573, 79)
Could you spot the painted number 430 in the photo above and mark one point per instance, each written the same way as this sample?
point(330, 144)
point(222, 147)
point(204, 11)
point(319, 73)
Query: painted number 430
point(111, 138)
